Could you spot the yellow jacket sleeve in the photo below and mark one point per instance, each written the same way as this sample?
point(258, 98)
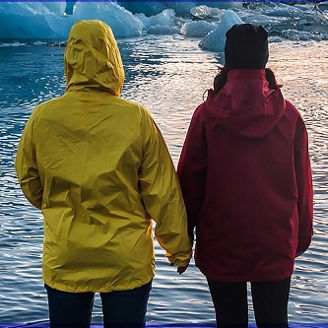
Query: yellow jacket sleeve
point(162, 196)
point(26, 166)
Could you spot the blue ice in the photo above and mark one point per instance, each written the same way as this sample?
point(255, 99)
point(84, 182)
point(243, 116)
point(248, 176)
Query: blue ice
point(215, 40)
point(162, 23)
point(48, 21)
point(197, 29)
point(22, 21)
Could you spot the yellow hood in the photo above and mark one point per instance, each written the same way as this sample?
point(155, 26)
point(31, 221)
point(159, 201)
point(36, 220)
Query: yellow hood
point(92, 58)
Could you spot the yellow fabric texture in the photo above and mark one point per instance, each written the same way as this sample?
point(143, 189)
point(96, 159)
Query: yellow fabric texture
point(98, 168)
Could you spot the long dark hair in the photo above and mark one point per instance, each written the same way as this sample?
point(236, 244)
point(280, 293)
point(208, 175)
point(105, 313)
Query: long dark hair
point(221, 79)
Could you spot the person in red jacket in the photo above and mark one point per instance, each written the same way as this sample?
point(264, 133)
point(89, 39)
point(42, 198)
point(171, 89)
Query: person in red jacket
point(246, 179)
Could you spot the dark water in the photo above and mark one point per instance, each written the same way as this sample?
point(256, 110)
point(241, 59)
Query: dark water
point(168, 75)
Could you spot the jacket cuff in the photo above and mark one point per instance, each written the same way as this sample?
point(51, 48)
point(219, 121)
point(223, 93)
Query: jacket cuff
point(180, 262)
point(181, 259)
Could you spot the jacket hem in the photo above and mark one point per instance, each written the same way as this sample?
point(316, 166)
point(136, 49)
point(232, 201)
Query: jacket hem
point(245, 277)
point(85, 289)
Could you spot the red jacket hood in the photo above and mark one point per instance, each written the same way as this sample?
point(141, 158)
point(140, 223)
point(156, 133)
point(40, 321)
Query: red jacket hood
point(246, 105)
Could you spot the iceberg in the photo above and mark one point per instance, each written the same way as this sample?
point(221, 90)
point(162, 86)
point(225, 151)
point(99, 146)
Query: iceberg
point(296, 35)
point(215, 40)
point(284, 10)
point(323, 5)
point(122, 22)
point(222, 4)
point(181, 8)
point(166, 17)
point(57, 8)
point(52, 21)
point(197, 29)
point(48, 21)
point(258, 18)
point(32, 21)
point(206, 13)
point(162, 23)
point(147, 8)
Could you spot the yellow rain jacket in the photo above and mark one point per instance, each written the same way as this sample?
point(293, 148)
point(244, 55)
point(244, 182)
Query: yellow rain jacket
point(98, 168)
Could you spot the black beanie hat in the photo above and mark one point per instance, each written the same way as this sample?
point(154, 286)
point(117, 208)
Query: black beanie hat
point(246, 47)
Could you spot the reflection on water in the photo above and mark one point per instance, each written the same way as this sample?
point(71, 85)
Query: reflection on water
point(168, 75)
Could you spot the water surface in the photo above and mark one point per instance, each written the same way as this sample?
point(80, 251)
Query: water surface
point(168, 75)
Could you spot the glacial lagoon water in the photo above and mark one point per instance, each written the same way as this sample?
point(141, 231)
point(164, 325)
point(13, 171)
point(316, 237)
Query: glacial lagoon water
point(168, 75)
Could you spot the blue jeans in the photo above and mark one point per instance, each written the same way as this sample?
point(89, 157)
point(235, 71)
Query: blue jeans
point(121, 309)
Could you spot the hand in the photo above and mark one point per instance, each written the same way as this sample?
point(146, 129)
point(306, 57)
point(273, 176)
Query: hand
point(180, 269)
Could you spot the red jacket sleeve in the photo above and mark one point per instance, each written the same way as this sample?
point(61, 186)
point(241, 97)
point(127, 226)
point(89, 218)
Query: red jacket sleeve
point(192, 168)
point(304, 185)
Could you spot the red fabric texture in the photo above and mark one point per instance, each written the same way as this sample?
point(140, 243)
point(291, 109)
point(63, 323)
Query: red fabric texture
point(246, 179)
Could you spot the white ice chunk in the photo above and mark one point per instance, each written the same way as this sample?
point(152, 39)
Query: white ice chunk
point(222, 4)
point(12, 44)
point(166, 17)
point(323, 5)
point(162, 23)
point(295, 35)
point(122, 22)
point(197, 29)
point(46, 21)
point(144, 20)
point(181, 8)
point(205, 12)
point(258, 18)
point(215, 40)
point(31, 21)
point(56, 7)
point(147, 8)
point(275, 38)
point(284, 10)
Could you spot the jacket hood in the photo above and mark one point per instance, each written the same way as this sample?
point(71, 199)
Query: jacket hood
point(246, 105)
point(92, 58)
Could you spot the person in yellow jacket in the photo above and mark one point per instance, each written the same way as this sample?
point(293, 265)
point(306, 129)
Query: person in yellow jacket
point(98, 168)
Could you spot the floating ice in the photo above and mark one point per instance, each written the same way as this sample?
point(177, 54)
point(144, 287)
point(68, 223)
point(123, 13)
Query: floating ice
point(166, 17)
point(12, 44)
point(197, 29)
point(206, 13)
point(275, 38)
point(308, 21)
point(46, 21)
point(162, 23)
point(147, 8)
point(181, 8)
point(222, 4)
point(323, 5)
point(259, 19)
point(122, 22)
point(215, 40)
point(57, 8)
point(31, 21)
point(296, 35)
point(283, 10)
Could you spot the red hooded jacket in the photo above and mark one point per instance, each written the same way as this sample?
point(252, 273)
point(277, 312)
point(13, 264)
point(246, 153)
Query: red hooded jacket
point(246, 179)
